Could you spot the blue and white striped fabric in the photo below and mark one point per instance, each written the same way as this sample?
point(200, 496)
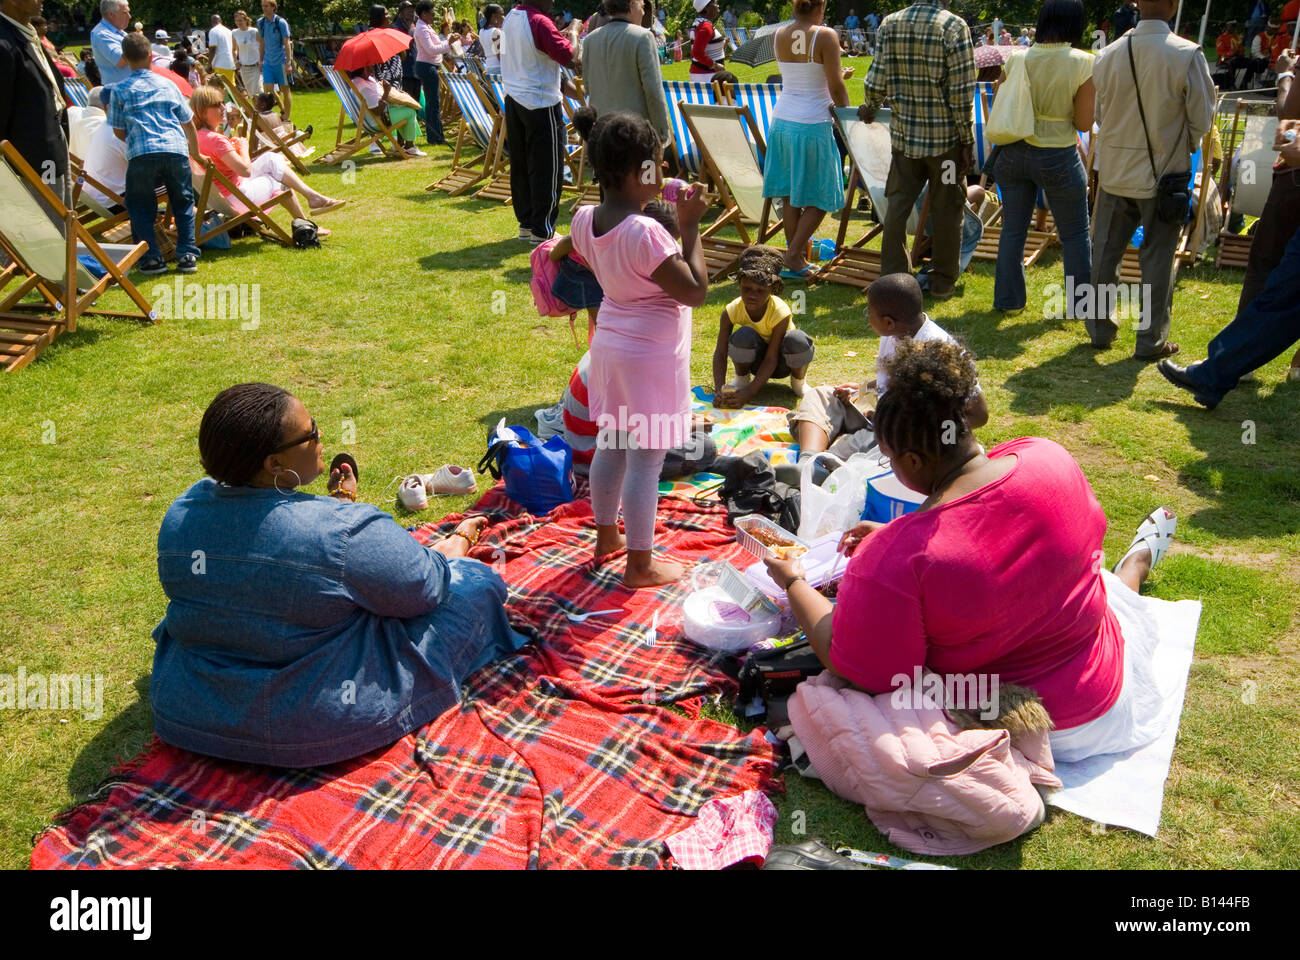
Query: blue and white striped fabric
point(742, 35)
point(983, 103)
point(344, 92)
point(761, 99)
point(499, 91)
point(679, 91)
point(471, 107)
point(77, 92)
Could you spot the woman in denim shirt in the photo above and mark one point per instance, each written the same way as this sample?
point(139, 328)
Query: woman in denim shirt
point(305, 630)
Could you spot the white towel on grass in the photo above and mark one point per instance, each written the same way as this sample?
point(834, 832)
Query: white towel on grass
point(1127, 789)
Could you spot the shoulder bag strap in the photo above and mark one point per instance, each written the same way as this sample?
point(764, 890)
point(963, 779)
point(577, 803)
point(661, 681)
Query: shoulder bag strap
point(1137, 92)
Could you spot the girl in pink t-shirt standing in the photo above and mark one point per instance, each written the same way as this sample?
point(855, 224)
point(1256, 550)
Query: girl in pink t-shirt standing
point(639, 383)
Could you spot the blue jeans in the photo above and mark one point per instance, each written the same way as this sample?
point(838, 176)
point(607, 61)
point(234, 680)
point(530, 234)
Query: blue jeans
point(1020, 171)
point(427, 74)
point(143, 173)
point(1268, 326)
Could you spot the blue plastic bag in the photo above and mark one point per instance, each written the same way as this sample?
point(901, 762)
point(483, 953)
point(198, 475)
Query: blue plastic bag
point(538, 476)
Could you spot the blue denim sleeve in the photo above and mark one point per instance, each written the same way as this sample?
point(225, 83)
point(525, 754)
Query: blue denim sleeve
point(388, 572)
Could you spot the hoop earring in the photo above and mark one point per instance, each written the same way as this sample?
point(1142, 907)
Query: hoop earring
point(275, 481)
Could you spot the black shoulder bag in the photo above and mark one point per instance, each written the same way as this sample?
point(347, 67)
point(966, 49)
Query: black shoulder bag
point(1173, 190)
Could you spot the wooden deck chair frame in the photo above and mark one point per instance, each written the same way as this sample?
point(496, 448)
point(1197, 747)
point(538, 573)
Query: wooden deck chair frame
point(467, 171)
point(588, 193)
point(492, 94)
point(370, 129)
point(1233, 248)
point(721, 255)
point(853, 265)
point(256, 216)
point(261, 135)
point(22, 335)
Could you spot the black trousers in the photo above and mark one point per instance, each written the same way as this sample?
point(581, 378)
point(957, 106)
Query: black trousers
point(535, 139)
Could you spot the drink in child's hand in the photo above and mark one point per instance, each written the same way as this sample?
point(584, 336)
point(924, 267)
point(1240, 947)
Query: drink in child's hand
point(673, 189)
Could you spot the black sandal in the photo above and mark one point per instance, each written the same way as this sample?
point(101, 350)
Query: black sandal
point(337, 463)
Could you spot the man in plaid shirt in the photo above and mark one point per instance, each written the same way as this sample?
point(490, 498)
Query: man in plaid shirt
point(925, 67)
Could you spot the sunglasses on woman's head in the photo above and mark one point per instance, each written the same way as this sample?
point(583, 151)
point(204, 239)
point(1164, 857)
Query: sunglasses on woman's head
point(314, 435)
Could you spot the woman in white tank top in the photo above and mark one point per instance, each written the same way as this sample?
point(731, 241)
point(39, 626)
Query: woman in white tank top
point(803, 166)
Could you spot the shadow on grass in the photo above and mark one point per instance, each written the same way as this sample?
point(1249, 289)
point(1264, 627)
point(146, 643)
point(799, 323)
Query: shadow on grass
point(1076, 378)
point(121, 739)
point(1248, 467)
point(491, 254)
point(81, 337)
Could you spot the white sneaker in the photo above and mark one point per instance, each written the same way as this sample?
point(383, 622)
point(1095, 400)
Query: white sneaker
point(415, 152)
point(376, 149)
point(525, 233)
point(797, 386)
point(412, 493)
point(740, 382)
point(451, 479)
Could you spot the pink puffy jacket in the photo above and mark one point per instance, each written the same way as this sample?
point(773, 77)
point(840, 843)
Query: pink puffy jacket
point(929, 786)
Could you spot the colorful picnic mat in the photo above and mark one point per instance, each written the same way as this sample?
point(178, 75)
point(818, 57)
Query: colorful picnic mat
point(736, 433)
point(563, 755)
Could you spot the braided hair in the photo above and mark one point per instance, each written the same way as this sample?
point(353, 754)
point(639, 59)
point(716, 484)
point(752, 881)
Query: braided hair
point(240, 429)
point(923, 411)
point(618, 143)
point(761, 266)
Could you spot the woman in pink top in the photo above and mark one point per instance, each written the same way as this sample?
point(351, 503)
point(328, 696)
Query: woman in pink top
point(998, 573)
point(259, 178)
point(640, 377)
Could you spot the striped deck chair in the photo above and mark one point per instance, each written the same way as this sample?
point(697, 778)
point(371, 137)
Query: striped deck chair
point(729, 153)
point(853, 264)
point(235, 207)
point(1041, 235)
point(684, 149)
point(743, 36)
point(369, 128)
point(76, 92)
point(761, 99)
point(493, 96)
point(1253, 137)
point(477, 129)
point(56, 258)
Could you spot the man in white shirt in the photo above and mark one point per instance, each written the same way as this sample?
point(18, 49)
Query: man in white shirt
point(221, 48)
point(532, 52)
point(159, 45)
point(105, 163)
point(1175, 93)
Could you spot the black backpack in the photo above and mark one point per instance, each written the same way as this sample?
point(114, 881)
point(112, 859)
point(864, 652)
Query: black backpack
point(304, 233)
point(750, 486)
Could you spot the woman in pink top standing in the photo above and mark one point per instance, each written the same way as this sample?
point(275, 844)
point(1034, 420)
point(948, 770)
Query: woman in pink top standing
point(998, 573)
point(639, 384)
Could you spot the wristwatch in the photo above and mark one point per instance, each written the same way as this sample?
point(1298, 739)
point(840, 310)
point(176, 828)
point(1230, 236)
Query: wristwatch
point(792, 581)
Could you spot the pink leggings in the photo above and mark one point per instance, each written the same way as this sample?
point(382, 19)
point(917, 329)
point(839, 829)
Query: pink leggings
point(617, 469)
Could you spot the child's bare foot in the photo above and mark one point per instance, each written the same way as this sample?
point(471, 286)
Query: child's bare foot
point(650, 573)
point(609, 540)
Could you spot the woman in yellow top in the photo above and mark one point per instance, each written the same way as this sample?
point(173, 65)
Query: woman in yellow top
point(1060, 85)
point(757, 332)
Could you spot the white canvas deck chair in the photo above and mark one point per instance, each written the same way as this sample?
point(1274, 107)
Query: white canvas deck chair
point(1248, 170)
point(477, 129)
point(761, 99)
point(50, 258)
point(677, 92)
point(369, 128)
point(732, 163)
point(493, 97)
point(869, 157)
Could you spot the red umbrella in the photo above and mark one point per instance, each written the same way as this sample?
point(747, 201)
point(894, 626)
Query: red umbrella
point(176, 78)
point(371, 47)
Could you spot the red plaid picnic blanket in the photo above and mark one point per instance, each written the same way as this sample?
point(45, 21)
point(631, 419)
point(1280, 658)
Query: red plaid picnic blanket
point(563, 755)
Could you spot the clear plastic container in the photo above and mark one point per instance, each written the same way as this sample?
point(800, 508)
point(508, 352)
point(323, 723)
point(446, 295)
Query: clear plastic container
point(723, 612)
point(762, 538)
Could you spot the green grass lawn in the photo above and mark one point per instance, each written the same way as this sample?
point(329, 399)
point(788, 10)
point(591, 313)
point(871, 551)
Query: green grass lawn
point(389, 333)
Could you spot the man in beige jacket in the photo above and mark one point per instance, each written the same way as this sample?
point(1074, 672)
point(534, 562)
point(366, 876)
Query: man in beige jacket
point(1177, 96)
point(620, 67)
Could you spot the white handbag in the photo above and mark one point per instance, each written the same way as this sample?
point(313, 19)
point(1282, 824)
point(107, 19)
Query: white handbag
point(1011, 117)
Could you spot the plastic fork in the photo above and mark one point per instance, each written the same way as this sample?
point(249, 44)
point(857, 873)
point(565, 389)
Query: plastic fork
point(583, 617)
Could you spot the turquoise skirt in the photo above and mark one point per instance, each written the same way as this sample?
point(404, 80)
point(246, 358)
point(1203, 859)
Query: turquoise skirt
point(803, 164)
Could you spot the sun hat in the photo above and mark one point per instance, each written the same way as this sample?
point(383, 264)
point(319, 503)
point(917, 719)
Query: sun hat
point(700, 5)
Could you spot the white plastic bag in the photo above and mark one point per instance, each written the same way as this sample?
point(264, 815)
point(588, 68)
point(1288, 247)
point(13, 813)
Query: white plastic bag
point(1011, 117)
point(838, 503)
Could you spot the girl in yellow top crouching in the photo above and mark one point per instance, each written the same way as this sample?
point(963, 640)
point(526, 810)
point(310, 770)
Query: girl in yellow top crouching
point(757, 332)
